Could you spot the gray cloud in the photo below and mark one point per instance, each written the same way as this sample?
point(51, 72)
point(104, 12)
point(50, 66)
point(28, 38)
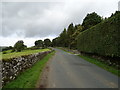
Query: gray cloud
point(42, 19)
point(32, 19)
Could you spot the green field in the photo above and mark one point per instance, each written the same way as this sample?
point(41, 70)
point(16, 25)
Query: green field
point(24, 52)
point(29, 78)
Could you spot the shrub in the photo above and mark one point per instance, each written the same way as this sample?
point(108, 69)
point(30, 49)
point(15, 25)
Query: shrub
point(19, 46)
point(102, 39)
point(4, 52)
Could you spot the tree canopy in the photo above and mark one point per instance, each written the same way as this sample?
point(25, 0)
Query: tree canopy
point(39, 43)
point(47, 42)
point(19, 46)
point(91, 20)
point(68, 36)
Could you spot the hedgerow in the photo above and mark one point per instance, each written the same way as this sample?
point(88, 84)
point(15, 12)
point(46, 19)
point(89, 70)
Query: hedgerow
point(102, 39)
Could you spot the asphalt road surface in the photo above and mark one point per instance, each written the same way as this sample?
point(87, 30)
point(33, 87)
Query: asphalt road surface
point(70, 71)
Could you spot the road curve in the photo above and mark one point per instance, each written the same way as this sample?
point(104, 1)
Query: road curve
point(70, 71)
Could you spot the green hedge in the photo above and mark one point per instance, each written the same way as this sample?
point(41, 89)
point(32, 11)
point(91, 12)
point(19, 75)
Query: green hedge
point(102, 39)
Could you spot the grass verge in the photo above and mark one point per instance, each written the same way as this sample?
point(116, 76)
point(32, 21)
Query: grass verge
point(98, 63)
point(24, 52)
point(28, 79)
point(101, 64)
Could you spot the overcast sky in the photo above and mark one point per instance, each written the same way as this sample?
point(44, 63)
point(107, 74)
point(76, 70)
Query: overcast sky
point(31, 20)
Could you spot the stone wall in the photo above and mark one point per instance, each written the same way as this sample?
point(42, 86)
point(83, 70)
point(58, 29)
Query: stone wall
point(12, 67)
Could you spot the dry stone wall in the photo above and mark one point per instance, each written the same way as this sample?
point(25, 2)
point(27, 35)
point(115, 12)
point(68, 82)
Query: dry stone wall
point(12, 67)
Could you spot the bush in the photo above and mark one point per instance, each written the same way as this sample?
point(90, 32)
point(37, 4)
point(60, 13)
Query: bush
point(19, 46)
point(4, 52)
point(102, 39)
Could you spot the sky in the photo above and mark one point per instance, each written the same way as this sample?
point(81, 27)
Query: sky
point(31, 20)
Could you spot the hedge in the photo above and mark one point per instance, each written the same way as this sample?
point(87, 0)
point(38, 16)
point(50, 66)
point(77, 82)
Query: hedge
point(102, 39)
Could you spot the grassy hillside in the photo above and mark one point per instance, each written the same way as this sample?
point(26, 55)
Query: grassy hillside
point(102, 39)
point(25, 52)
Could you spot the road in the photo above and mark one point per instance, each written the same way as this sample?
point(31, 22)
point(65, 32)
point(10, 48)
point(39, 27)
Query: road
point(70, 71)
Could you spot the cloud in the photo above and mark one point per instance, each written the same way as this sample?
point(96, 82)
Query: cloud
point(32, 19)
point(41, 19)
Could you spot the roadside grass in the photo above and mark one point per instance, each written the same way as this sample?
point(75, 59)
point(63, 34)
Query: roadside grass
point(98, 63)
point(101, 64)
point(24, 52)
point(28, 78)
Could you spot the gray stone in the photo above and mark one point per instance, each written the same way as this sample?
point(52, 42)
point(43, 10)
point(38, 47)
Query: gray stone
point(13, 67)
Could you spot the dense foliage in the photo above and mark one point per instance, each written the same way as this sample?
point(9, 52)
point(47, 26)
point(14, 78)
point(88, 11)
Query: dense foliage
point(68, 37)
point(47, 43)
point(96, 35)
point(5, 48)
point(39, 43)
point(91, 20)
point(19, 46)
point(102, 39)
point(78, 29)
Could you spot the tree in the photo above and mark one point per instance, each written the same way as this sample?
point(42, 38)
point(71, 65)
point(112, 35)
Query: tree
point(114, 14)
point(70, 31)
point(19, 46)
point(47, 42)
point(63, 38)
point(54, 42)
point(79, 28)
point(7, 48)
point(39, 43)
point(91, 20)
